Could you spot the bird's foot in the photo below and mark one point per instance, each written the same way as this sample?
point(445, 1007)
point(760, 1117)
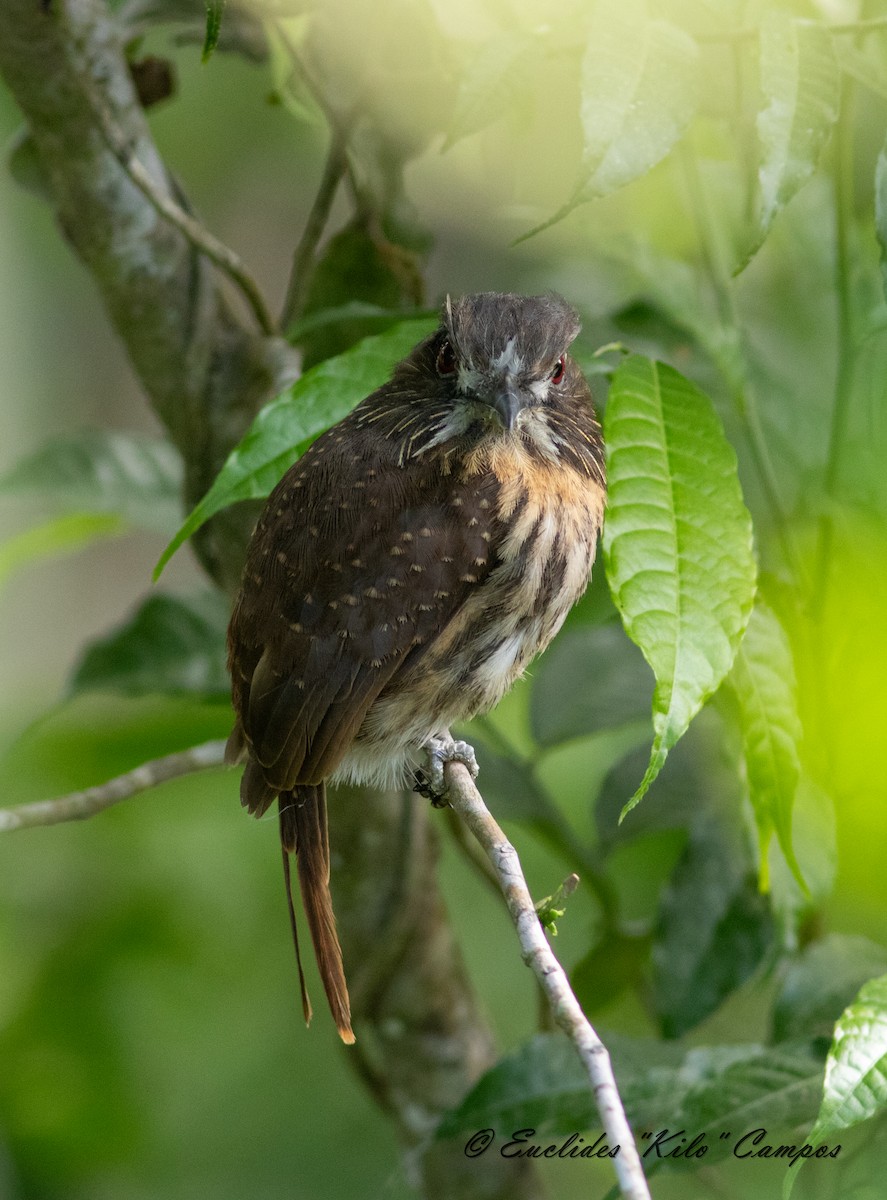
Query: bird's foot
point(440, 749)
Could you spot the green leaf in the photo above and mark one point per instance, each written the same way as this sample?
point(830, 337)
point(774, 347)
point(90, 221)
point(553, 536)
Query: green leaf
point(63, 535)
point(800, 83)
point(856, 1068)
point(814, 837)
point(93, 737)
point(592, 678)
point(821, 982)
point(713, 927)
point(139, 478)
point(169, 646)
point(542, 1085)
point(695, 780)
point(639, 93)
point(677, 542)
point(373, 316)
point(357, 269)
point(707, 1089)
point(741, 1089)
point(286, 427)
point(214, 10)
point(614, 964)
point(492, 82)
point(763, 684)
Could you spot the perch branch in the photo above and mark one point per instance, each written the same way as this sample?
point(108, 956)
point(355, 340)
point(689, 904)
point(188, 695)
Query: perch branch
point(78, 805)
point(468, 803)
point(303, 256)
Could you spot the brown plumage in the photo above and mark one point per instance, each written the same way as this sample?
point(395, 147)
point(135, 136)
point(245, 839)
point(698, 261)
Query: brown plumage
point(406, 570)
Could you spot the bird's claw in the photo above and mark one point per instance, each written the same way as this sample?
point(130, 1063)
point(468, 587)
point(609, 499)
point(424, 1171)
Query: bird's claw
point(441, 749)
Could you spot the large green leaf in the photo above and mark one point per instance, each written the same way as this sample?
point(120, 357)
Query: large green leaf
point(800, 83)
point(543, 1085)
point(639, 92)
point(704, 1090)
point(373, 316)
point(493, 81)
point(168, 646)
point(821, 982)
point(763, 683)
point(592, 678)
point(62, 535)
point(677, 542)
point(713, 927)
point(616, 963)
point(740, 1090)
point(140, 478)
point(856, 1069)
point(286, 426)
point(695, 780)
point(356, 271)
point(639, 88)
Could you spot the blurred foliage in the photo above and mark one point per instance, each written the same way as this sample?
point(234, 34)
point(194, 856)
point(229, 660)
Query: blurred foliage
point(706, 182)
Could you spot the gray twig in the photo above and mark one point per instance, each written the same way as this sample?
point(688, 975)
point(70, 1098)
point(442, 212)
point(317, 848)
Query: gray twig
point(78, 805)
point(538, 955)
point(303, 256)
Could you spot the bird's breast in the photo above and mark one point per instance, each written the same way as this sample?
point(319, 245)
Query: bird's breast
point(546, 524)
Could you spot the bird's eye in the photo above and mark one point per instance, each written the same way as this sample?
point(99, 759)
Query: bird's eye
point(560, 369)
point(446, 358)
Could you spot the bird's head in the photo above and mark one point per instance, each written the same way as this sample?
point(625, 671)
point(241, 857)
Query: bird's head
point(505, 356)
point(496, 370)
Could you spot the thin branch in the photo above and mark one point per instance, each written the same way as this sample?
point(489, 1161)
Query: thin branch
point(303, 256)
point(538, 955)
point(199, 237)
point(78, 805)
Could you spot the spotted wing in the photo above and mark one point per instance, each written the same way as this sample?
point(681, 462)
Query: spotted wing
point(356, 564)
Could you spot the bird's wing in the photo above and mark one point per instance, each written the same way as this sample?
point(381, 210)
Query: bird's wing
point(355, 563)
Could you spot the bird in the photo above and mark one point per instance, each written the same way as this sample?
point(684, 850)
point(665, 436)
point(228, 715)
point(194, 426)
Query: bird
point(406, 570)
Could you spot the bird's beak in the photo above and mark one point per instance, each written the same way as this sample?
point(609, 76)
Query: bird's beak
point(508, 402)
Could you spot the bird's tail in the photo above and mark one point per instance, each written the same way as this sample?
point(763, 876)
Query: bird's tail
point(303, 832)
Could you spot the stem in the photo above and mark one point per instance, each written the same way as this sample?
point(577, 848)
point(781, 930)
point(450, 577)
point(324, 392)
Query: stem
point(78, 805)
point(303, 257)
point(844, 202)
point(537, 953)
